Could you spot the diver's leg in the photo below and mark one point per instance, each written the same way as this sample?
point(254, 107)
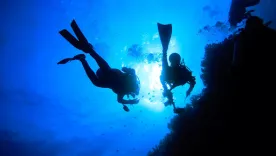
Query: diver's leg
point(165, 32)
point(165, 64)
point(100, 61)
point(85, 46)
point(89, 72)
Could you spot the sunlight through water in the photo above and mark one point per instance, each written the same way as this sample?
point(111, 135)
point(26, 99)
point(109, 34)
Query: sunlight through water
point(151, 87)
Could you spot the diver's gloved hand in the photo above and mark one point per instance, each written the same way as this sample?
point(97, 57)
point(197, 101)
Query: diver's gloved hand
point(169, 95)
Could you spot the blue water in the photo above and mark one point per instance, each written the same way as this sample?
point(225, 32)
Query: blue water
point(51, 110)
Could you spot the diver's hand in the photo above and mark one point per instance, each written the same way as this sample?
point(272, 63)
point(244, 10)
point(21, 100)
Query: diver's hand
point(169, 95)
point(192, 83)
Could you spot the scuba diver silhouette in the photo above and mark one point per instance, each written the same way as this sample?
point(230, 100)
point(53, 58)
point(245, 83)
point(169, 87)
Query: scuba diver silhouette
point(122, 83)
point(177, 74)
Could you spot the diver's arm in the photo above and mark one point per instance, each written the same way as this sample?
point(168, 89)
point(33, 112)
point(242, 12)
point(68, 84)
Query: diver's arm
point(190, 89)
point(120, 99)
point(192, 83)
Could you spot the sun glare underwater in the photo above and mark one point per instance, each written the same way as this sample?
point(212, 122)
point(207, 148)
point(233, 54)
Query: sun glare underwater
point(54, 110)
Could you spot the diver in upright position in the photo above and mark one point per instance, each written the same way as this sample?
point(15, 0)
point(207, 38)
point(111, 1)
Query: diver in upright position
point(177, 74)
point(122, 83)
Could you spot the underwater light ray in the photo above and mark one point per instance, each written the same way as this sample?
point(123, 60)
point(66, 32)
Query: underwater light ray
point(149, 72)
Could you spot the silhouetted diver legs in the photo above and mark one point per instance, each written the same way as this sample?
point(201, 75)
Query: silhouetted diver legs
point(100, 61)
point(89, 72)
point(94, 78)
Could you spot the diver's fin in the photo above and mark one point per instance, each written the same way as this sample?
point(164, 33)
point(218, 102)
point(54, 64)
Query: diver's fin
point(78, 32)
point(64, 61)
point(165, 33)
point(70, 38)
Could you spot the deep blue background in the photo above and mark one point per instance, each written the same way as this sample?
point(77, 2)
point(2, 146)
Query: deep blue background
point(51, 110)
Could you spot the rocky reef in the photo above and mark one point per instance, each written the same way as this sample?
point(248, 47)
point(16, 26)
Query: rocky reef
point(231, 115)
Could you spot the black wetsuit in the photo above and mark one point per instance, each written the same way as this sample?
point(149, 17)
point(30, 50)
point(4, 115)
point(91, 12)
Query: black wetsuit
point(122, 83)
point(174, 76)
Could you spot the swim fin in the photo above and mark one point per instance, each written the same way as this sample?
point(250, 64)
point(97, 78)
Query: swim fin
point(165, 33)
point(78, 32)
point(70, 38)
point(76, 42)
point(64, 61)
